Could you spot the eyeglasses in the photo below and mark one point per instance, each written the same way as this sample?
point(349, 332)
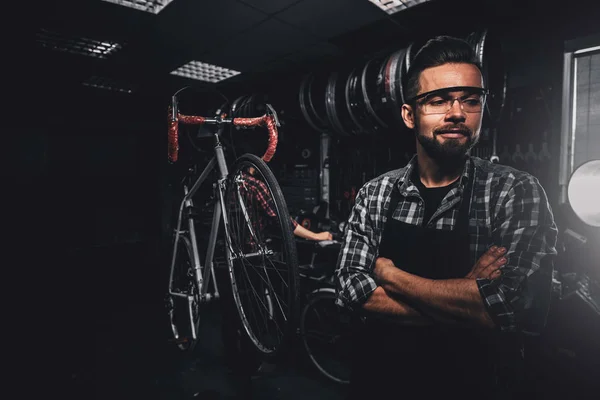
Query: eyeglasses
point(440, 101)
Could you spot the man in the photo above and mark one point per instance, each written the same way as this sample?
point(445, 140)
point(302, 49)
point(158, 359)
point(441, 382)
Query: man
point(258, 193)
point(448, 261)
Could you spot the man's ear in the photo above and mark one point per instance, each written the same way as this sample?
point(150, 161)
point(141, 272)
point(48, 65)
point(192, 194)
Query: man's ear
point(408, 116)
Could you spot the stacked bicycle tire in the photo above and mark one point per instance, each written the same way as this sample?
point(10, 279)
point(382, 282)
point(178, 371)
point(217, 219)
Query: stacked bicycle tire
point(366, 99)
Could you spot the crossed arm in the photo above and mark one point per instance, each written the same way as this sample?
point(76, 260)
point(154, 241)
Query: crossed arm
point(443, 301)
point(494, 294)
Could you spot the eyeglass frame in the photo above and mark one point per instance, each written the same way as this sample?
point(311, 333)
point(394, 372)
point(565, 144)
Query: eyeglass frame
point(483, 91)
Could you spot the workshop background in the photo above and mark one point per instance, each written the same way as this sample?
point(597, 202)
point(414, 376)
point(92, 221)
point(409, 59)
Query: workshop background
point(90, 189)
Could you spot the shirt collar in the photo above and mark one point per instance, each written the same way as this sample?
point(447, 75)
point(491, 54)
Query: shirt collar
point(404, 182)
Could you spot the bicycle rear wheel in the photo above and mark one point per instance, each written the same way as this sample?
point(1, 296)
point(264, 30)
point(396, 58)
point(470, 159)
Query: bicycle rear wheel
point(183, 305)
point(325, 332)
point(263, 266)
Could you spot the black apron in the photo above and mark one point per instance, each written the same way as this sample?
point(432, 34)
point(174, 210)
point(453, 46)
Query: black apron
point(402, 362)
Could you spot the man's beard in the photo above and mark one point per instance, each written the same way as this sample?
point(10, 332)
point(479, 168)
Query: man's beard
point(451, 152)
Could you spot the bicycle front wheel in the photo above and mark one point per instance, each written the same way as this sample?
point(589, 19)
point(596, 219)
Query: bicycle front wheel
point(262, 258)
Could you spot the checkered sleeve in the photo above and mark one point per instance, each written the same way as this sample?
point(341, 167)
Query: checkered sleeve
point(265, 200)
point(524, 225)
point(353, 274)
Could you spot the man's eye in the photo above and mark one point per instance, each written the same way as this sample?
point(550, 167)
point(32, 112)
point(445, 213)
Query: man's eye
point(436, 102)
point(472, 101)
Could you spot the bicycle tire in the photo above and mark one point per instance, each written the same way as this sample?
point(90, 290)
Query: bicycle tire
point(268, 319)
point(318, 312)
point(184, 281)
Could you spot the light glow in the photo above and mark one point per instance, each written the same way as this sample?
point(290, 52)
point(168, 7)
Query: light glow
point(151, 6)
point(204, 72)
point(394, 6)
point(77, 45)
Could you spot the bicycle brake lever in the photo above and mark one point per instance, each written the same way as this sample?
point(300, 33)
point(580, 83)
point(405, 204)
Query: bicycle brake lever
point(174, 110)
point(274, 114)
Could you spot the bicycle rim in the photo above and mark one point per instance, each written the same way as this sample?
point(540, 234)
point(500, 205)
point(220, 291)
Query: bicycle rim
point(263, 266)
point(184, 313)
point(324, 329)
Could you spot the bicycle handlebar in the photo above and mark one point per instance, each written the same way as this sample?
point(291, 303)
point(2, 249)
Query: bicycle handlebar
point(269, 119)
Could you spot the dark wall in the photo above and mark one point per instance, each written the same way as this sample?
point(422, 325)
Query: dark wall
point(100, 156)
point(93, 159)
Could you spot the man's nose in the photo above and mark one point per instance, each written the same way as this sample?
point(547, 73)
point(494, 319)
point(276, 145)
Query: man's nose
point(456, 111)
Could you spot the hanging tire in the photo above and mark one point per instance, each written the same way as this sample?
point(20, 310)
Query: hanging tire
point(311, 97)
point(335, 102)
point(488, 51)
point(355, 102)
point(371, 80)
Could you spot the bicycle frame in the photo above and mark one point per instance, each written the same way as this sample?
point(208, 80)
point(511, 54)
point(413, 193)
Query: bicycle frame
point(202, 273)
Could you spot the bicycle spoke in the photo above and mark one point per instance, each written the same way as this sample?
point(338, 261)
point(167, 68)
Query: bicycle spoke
point(246, 272)
point(258, 232)
point(264, 287)
point(247, 265)
point(281, 303)
point(264, 319)
point(253, 311)
point(278, 300)
point(252, 287)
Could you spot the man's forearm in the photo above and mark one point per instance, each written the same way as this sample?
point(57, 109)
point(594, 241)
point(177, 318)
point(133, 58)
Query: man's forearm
point(304, 233)
point(453, 298)
point(386, 306)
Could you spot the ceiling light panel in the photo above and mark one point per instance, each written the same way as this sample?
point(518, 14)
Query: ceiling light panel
point(204, 72)
point(394, 6)
point(152, 6)
point(78, 45)
point(107, 84)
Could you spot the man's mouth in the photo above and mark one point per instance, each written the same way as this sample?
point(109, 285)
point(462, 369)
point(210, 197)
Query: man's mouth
point(453, 134)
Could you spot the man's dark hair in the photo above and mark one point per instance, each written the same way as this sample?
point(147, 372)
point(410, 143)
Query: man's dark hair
point(435, 52)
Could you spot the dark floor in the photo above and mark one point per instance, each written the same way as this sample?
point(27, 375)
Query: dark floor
point(131, 354)
point(131, 357)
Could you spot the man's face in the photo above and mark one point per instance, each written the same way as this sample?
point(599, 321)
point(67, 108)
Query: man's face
point(446, 136)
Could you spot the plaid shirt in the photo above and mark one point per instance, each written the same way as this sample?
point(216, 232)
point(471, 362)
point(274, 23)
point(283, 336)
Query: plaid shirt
point(509, 208)
point(255, 190)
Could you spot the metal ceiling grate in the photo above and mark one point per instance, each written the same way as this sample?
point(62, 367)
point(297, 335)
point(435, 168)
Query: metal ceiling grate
point(107, 84)
point(394, 6)
point(78, 45)
point(204, 72)
point(152, 6)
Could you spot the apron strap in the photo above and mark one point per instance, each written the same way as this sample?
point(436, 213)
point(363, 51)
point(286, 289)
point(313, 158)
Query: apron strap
point(394, 200)
point(465, 206)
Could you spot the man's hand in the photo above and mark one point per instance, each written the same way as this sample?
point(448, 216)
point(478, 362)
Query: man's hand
point(323, 236)
point(488, 265)
point(382, 266)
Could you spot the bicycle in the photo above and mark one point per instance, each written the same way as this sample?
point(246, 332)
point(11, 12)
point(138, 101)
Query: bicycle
point(259, 247)
point(324, 328)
